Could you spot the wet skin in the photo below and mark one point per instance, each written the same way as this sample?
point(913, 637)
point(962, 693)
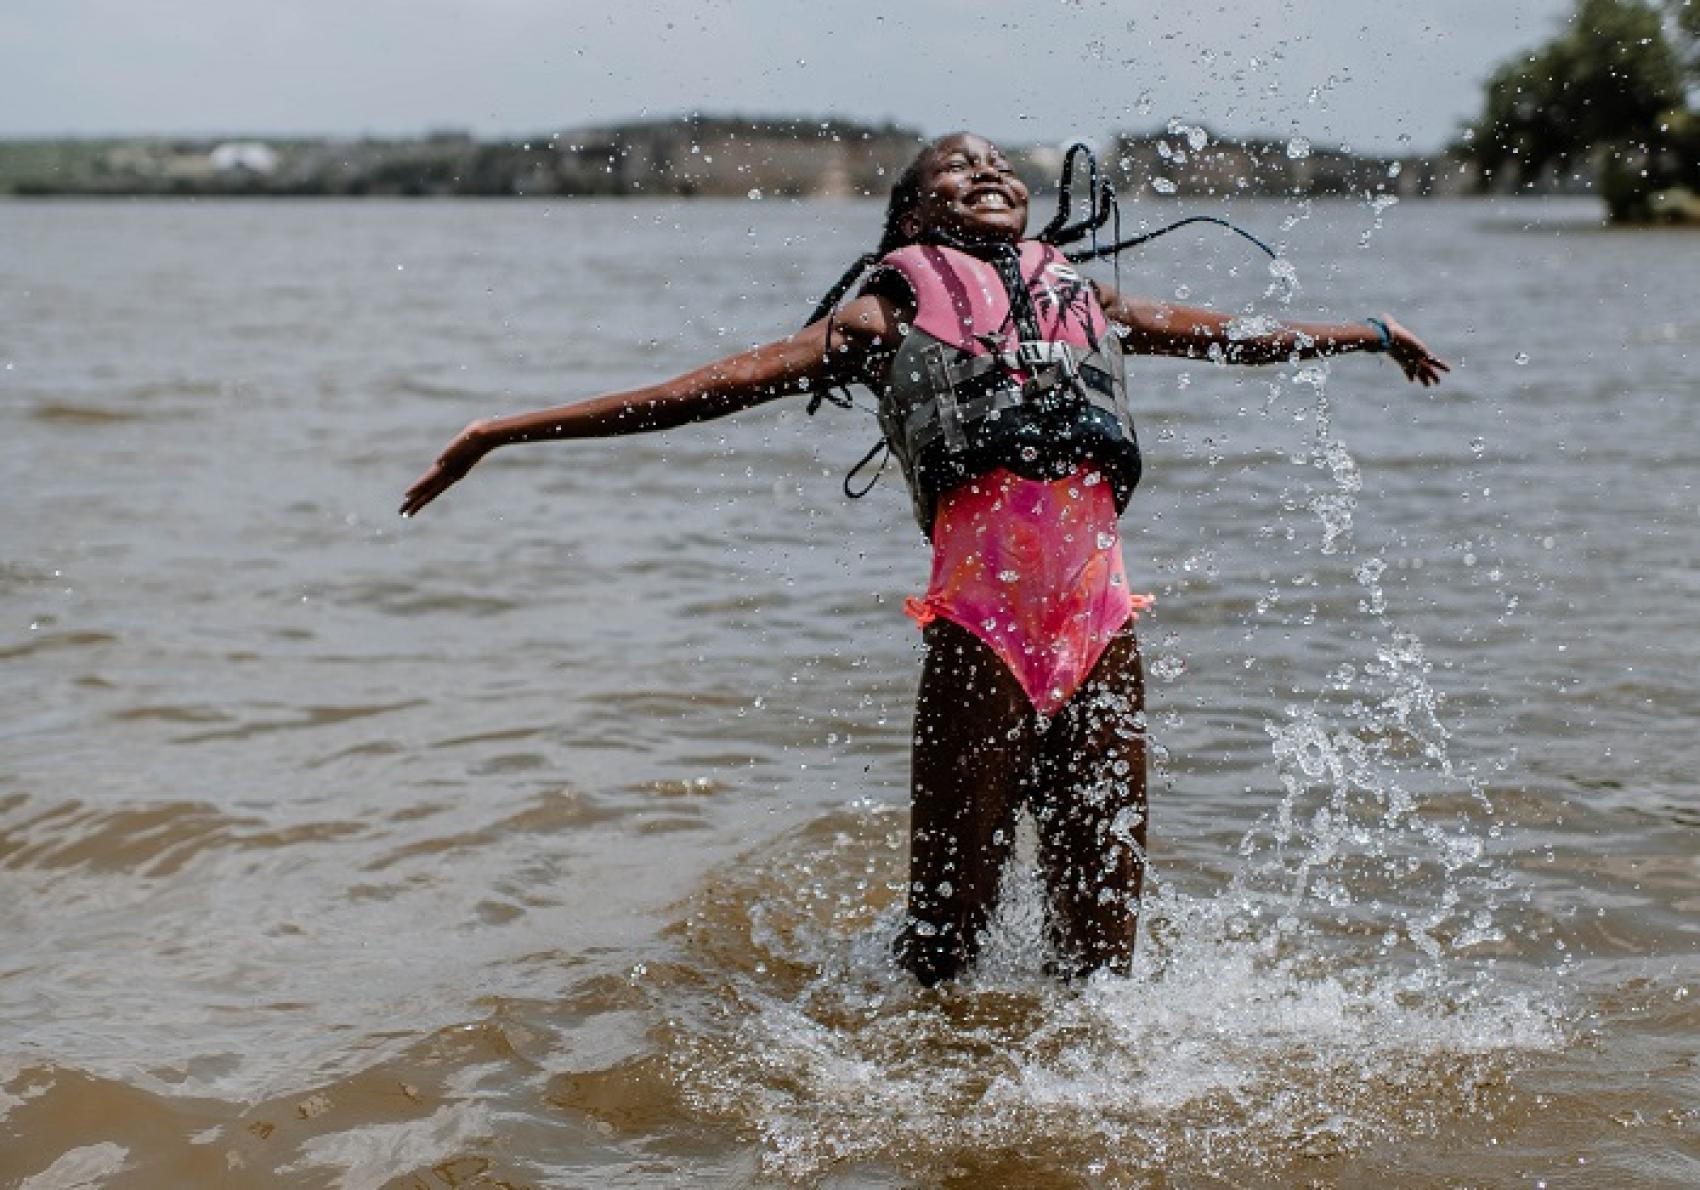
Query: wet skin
point(980, 755)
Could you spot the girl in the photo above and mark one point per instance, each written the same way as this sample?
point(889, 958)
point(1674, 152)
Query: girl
point(999, 373)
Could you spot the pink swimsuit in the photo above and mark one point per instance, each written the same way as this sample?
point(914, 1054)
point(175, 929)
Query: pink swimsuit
point(1034, 569)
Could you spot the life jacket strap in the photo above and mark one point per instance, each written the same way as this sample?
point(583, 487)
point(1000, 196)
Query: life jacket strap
point(978, 392)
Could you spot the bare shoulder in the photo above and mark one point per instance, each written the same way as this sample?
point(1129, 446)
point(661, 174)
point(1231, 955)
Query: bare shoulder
point(874, 321)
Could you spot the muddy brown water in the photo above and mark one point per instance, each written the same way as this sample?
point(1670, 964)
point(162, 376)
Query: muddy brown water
point(556, 838)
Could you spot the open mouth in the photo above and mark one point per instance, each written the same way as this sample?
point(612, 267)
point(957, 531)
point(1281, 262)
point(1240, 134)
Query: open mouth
point(988, 200)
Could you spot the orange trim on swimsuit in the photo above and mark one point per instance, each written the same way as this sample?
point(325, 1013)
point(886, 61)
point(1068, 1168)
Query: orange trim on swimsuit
point(1034, 569)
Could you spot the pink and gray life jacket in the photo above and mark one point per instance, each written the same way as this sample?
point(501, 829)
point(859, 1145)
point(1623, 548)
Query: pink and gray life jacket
point(1009, 363)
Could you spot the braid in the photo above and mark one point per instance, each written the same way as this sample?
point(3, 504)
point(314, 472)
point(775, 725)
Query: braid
point(905, 196)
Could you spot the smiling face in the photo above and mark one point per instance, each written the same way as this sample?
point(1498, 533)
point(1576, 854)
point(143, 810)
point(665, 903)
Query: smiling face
point(968, 190)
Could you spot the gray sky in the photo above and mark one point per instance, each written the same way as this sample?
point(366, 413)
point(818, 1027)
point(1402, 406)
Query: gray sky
point(1363, 72)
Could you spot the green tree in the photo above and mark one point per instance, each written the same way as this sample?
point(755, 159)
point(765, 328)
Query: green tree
point(1609, 96)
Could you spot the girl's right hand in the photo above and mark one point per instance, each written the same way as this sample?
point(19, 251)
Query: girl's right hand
point(1419, 363)
point(458, 457)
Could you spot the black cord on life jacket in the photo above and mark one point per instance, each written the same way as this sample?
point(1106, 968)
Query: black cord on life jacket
point(1101, 199)
point(852, 493)
point(1103, 208)
point(1096, 253)
point(1006, 259)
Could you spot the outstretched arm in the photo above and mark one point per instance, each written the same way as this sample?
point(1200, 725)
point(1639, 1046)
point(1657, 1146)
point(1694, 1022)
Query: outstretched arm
point(1164, 328)
point(795, 364)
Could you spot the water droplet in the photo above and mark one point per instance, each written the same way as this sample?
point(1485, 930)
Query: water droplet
point(1478, 446)
point(1521, 358)
point(1168, 667)
point(1106, 540)
point(1298, 148)
point(1009, 576)
point(755, 194)
point(1162, 185)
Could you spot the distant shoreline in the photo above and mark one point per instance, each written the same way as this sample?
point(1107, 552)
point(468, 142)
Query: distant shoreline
point(731, 157)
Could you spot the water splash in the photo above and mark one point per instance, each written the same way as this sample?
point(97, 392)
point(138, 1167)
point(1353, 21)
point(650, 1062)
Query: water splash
point(1284, 281)
point(1378, 206)
point(1233, 1046)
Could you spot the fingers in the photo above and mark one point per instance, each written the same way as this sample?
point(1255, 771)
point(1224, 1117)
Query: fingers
point(1430, 367)
point(427, 488)
point(1420, 365)
point(1424, 369)
point(450, 468)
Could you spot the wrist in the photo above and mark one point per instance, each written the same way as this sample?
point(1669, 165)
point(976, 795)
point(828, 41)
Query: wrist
point(1383, 336)
point(485, 435)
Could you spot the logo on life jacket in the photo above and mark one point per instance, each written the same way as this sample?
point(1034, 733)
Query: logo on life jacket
point(1072, 286)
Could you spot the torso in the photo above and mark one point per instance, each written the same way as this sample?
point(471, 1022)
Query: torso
point(1034, 569)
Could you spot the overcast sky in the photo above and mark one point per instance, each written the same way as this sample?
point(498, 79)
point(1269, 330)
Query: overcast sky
point(1361, 72)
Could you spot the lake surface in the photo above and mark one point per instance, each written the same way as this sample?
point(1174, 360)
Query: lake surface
point(556, 838)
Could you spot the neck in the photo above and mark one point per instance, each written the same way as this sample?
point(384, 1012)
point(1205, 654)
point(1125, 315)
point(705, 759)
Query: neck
point(973, 245)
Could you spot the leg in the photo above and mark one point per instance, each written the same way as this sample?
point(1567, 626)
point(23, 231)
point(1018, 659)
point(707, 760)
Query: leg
point(1090, 811)
point(973, 750)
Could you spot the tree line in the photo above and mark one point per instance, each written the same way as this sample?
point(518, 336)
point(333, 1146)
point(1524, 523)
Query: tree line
point(1610, 99)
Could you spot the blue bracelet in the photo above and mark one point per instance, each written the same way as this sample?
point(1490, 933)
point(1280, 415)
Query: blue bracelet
point(1380, 328)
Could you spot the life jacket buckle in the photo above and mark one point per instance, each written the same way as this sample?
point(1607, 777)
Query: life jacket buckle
point(1031, 355)
point(1053, 375)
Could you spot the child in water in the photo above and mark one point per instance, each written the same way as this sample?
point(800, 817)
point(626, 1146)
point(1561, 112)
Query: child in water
point(1000, 389)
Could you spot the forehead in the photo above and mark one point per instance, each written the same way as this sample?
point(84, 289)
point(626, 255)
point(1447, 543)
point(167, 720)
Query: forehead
point(964, 142)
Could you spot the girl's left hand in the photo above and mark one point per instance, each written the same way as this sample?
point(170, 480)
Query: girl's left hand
point(459, 457)
point(1408, 351)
